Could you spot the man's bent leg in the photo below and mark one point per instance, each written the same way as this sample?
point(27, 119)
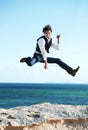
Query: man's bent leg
point(29, 61)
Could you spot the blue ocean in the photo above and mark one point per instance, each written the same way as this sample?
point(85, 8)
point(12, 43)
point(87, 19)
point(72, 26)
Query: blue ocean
point(26, 94)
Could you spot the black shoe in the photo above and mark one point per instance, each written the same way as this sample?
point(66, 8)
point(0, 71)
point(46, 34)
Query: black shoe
point(23, 60)
point(74, 71)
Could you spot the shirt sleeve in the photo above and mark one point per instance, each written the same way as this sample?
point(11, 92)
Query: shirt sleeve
point(41, 44)
point(55, 46)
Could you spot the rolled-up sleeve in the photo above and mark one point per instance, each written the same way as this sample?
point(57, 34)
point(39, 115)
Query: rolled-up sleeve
point(41, 44)
point(55, 46)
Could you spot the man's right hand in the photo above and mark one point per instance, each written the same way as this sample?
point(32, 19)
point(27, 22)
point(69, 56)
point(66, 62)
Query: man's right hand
point(46, 65)
point(58, 38)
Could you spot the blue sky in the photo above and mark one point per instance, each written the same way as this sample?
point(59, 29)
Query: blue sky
point(21, 23)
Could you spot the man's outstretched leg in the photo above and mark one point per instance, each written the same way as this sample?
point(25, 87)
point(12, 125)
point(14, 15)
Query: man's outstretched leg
point(70, 70)
point(63, 65)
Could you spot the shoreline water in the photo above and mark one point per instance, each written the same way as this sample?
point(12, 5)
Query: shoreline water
point(16, 94)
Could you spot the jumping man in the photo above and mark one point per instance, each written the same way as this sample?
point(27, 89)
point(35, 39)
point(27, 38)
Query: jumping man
point(42, 48)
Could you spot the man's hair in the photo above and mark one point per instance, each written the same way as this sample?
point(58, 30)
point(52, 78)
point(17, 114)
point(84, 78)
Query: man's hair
point(47, 28)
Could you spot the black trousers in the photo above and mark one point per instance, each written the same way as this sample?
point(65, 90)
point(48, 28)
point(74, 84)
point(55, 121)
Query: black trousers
point(39, 58)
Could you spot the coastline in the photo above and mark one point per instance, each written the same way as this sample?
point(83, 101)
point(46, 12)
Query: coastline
point(45, 116)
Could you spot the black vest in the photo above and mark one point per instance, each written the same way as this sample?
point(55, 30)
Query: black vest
point(47, 44)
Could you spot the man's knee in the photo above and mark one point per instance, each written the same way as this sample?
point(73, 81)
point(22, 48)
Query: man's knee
point(28, 63)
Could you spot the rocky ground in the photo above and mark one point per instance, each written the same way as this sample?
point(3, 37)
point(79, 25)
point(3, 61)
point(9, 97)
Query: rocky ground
point(44, 116)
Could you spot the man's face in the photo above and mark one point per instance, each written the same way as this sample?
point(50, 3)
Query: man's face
point(48, 34)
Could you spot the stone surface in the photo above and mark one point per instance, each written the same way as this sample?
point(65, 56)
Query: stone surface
point(44, 116)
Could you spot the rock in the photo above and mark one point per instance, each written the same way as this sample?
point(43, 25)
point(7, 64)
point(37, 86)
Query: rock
point(63, 124)
point(44, 115)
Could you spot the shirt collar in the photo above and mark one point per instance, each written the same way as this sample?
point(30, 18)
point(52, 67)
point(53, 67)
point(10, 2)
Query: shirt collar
point(47, 38)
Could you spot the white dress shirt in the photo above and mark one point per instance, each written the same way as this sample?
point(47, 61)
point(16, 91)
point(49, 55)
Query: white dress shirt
point(41, 44)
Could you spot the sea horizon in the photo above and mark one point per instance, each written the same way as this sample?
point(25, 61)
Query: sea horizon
point(43, 83)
